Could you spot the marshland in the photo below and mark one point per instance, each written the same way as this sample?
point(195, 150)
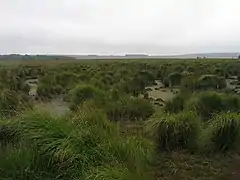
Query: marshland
point(120, 119)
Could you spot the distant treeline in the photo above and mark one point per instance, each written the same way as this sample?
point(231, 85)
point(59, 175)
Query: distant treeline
point(33, 57)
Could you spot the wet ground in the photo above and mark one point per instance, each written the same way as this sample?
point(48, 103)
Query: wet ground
point(158, 91)
point(56, 106)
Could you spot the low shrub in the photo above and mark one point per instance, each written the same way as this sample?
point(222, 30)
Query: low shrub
point(223, 132)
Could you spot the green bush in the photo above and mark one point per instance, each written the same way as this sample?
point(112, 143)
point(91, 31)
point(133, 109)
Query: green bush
point(178, 131)
point(223, 132)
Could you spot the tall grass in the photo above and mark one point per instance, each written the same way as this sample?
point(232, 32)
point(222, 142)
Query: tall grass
point(85, 146)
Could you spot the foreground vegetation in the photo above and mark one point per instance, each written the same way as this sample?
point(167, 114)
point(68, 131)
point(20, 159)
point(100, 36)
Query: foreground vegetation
point(86, 146)
point(113, 128)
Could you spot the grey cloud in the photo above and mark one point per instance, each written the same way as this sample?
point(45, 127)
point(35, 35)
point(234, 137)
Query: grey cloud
point(119, 26)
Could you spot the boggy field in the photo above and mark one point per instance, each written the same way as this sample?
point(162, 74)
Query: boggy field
point(125, 120)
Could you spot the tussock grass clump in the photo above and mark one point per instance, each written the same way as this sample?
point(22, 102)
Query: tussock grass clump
point(223, 133)
point(205, 104)
point(178, 131)
point(9, 102)
point(8, 134)
point(128, 108)
point(209, 103)
point(72, 148)
point(18, 162)
point(211, 82)
point(44, 91)
point(12, 102)
point(82, 93)
point(231, 103)
point(175, 78)
point(176, 104)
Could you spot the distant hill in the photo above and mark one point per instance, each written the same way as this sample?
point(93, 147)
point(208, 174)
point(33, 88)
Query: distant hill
point(145, 56)
point(16, 57)
point(210, 55)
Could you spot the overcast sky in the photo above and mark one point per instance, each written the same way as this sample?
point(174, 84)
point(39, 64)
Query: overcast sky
point(119, 26)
